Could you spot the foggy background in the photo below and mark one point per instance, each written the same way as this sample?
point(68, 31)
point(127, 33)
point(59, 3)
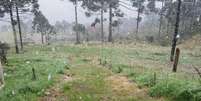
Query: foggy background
point(56, 10)
point(63, 10)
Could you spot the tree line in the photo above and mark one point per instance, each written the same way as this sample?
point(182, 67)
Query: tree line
point(190, 15)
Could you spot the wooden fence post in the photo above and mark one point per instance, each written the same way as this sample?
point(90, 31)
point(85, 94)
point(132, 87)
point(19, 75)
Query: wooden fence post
point(176, 60)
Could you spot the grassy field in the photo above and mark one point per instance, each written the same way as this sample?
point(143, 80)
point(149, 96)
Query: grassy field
point(134, 72)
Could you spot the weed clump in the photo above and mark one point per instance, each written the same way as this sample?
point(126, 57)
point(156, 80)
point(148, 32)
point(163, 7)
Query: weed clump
point(4, 47)
point(147, 79)
point(165, 89)
point(176, 90)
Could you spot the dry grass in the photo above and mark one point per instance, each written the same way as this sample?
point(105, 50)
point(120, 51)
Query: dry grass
point(122, 86)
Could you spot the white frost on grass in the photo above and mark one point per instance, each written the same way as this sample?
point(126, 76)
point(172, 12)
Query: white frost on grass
point(65, 62)
point(53, 49)
point(5, 74)
point(37, 52)
point(13, 92)
point(49, 76)
point(28, 62)
point(178, 36)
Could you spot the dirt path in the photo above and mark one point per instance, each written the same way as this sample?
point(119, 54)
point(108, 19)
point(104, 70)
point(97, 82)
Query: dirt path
point(54, 93)
point(92, 82)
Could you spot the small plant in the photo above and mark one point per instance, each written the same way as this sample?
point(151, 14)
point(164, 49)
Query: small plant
point(4, 47)
point(1, 75)
point(149, 39)
point(66, 87)
point(119, 70)
point(86, 60)
point(67, 66)
point(185, 95)
point(169, 89)
point(132, 74)
point(103, 62)
point(61, 71)
point(146, 80)
point(198, 97)
point(33, 74)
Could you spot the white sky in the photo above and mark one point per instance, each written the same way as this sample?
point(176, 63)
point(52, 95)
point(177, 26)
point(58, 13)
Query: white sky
point(57, 10)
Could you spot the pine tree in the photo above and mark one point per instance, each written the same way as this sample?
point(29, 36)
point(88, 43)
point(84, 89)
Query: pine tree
point(9, 6)
point(174, 41)
point(102, 6)
point(42, 25)
point(114, 11)
point(139, 4)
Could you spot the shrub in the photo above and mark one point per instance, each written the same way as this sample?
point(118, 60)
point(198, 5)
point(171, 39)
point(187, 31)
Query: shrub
point(198, 97)
point(4, 47)
point(149, 39)
point(175, 89)
point(185, 95)
point(146, 80)
point(164, 88)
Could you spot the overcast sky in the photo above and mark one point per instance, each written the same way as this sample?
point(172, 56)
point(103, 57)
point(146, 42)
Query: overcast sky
point(58, 10)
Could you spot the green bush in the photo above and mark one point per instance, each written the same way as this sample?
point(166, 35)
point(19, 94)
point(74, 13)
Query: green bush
point(147, 79)
point(189, 95)
point(198, 97)
point(185, 95)
point(175, 89)
point(60, 71)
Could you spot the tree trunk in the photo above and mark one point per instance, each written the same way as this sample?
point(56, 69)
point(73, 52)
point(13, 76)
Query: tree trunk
point(13, 28)
point(174, 41)
point(47, 37)
point(76, 24)
point(19, 27)
point(87, 37)
point(167, 28)
point(138, 18)
point(102, 29)
point(159, 32)
point(193, 16)
point(42, 38)
point(110, 24)
point(118, 30)
point(160, 24)
point(1, 75)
